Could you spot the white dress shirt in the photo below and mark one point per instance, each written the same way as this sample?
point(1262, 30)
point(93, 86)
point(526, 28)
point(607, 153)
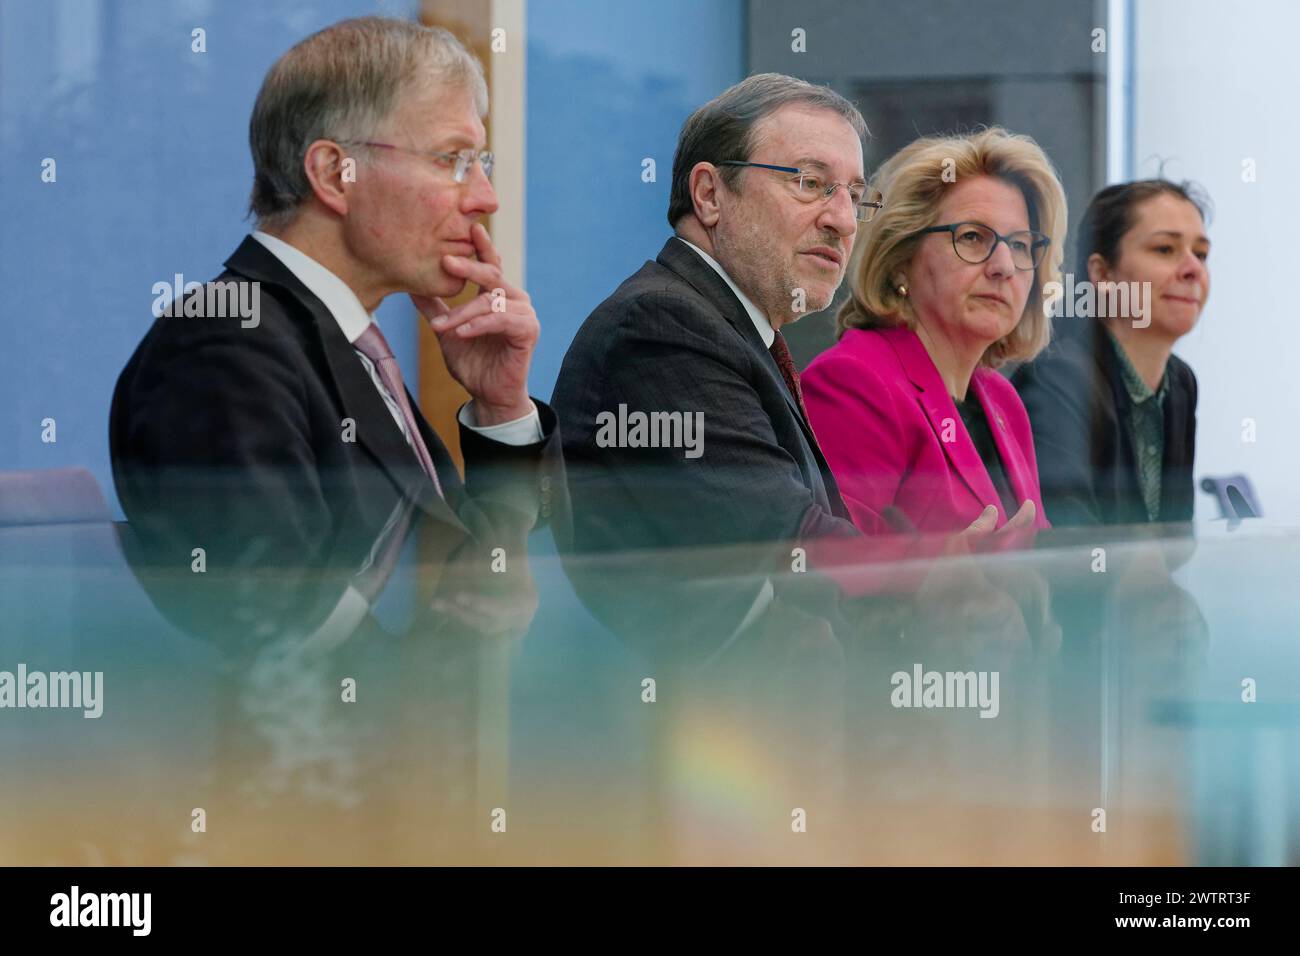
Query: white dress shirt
point(760, 321)
point(353, 319)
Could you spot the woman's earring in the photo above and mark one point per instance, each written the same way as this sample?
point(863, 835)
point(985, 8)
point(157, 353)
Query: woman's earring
point(901, 288)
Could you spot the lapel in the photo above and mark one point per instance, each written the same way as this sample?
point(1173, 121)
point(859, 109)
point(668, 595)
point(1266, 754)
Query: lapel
point(941, 412)
point(376, 431)
point(682, 260)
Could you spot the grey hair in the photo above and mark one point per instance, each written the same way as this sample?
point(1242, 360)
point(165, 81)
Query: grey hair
point(723, 128)
point(341, 84)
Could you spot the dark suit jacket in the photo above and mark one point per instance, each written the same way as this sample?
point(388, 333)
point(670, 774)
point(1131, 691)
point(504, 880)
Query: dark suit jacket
point(674, 338)
point(243, 433)
point(1078, 407)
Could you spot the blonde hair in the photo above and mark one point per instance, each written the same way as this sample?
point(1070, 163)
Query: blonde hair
point(914, 181)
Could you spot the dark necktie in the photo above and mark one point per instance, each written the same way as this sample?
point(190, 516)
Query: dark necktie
point(781, 352)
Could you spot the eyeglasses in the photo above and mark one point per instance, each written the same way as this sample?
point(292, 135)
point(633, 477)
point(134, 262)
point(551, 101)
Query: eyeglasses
point(458, 162)
point(809, 187)
point(974, 242)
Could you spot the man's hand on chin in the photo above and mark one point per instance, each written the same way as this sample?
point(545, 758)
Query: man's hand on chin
point(488, 341)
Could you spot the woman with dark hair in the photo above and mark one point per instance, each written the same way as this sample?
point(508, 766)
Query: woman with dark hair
point(1113, 410)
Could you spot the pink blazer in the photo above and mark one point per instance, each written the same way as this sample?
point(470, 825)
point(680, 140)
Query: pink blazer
point(881, 412)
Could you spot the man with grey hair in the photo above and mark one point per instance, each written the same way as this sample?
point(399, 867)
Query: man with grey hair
point(767, 193)
point(371, 179)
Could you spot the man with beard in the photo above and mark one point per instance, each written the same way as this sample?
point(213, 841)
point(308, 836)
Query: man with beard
point(767, 194)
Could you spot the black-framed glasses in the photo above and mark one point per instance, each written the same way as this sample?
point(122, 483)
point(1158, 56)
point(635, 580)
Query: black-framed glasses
point(974, 242)
point(809, 187)
point(457, 163)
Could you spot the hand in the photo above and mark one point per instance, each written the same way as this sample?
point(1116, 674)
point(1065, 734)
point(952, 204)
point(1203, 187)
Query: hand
point(978, 529)
point(487, 605)
point(1022, 520)
point(1033, 595)
point(1016, 533)
point(505, 616)
point(487, 350)
point(959, 610)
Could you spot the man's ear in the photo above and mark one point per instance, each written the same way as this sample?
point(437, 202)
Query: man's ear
point(705, 182)
point(1098, 271)
point(325, 166)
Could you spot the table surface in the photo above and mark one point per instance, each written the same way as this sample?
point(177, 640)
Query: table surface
point(677, 708)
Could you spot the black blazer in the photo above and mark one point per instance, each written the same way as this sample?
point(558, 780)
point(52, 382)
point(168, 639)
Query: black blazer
point(1078, 408)
point(674, 337)
point(243, 432)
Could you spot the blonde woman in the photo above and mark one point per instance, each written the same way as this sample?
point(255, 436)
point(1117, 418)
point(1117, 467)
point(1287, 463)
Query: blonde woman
point(919, 429)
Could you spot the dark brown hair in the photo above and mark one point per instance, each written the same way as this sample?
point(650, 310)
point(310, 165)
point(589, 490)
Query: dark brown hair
point(722, 129)
point(1113, 211)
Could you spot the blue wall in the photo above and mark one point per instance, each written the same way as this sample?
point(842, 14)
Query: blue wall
point(153, 174)
point(609, 84)
point(151, 145)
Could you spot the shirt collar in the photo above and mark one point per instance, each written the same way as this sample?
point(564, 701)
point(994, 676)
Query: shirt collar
point(1138, 390)
point(338, 297)
point(764, 327)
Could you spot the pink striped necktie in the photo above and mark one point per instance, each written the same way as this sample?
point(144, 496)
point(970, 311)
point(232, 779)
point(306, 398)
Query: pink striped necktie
point(374, 346)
